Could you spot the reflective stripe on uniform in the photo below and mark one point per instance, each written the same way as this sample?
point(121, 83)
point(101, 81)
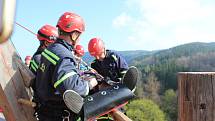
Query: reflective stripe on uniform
point(49, 58)
point(63, 78)
point(79, 119)
point(34, 68)
point(35, 64)
point(123, 72)
point(105, 117)
point(114, 57)
point(51, 54)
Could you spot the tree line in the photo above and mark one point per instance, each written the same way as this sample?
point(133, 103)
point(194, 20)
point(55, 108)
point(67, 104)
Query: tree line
point(158, 82)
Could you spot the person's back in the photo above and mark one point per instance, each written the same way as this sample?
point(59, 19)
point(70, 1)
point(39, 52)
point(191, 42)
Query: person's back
point(47, 35)
point(53, 59)
point(35, 61)
point(58, 73)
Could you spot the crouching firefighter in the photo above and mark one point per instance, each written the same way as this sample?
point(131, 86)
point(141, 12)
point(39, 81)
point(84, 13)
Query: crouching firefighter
point(108, 63)
point(57, 72)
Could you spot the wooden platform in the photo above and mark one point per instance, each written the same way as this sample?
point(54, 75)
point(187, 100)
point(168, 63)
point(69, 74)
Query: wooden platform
point(12, 85)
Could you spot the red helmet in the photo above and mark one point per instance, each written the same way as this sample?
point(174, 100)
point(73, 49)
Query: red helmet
point(69, 22)
point(96, 46)
point(79, 50)
point(28, 58)
point(47, 33)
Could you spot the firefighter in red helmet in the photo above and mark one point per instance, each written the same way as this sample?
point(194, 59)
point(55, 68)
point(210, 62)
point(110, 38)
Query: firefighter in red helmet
point(58, 73)
point(27, 60)
point(47, 34)
point(107, 63)
point(81, 65)
point(79, 53)
point(79, 50)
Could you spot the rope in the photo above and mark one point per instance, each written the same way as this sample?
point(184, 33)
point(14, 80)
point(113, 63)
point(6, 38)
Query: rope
point(25, 28)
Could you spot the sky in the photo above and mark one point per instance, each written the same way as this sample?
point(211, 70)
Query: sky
point(122, 24)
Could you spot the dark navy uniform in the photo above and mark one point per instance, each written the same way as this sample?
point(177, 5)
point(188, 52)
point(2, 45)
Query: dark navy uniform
point(35, 62)
point(113, 66)
point(56, 74)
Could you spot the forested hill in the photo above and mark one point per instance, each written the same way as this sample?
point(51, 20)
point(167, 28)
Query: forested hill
point(184, 50)
point(131, 55)
point(166, 63)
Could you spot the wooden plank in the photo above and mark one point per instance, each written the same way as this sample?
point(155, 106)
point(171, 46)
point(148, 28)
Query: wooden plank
point(4, 104)
point(196, 96)
point(181, 78)
point(12, 84)
point(213, 95)
point(25, 73)
point(188, 96)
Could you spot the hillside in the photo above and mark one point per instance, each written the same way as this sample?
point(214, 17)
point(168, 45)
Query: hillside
point(166, 63)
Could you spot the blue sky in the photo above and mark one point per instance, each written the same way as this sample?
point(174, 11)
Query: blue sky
point(122, 24)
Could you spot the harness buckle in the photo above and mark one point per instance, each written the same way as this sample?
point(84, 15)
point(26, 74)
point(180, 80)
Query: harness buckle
point(66, 117)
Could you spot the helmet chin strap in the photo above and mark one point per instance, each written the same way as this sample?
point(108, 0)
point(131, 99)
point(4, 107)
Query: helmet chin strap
point(45, 45)
point(74, 37)
point(104, 51)
point(72, 41)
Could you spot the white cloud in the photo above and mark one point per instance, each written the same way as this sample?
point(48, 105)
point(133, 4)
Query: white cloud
point(166, 23)
point(186, 34)
point(121, 20)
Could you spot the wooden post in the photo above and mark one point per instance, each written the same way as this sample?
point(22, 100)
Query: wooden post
point(4, 104)
point(12, 86)
point(196, 100)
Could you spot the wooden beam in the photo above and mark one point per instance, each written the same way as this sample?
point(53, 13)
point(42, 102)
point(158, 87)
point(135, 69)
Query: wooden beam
point(4, 104)
point(12, 84)
point(119, 116)
point(196, 96)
